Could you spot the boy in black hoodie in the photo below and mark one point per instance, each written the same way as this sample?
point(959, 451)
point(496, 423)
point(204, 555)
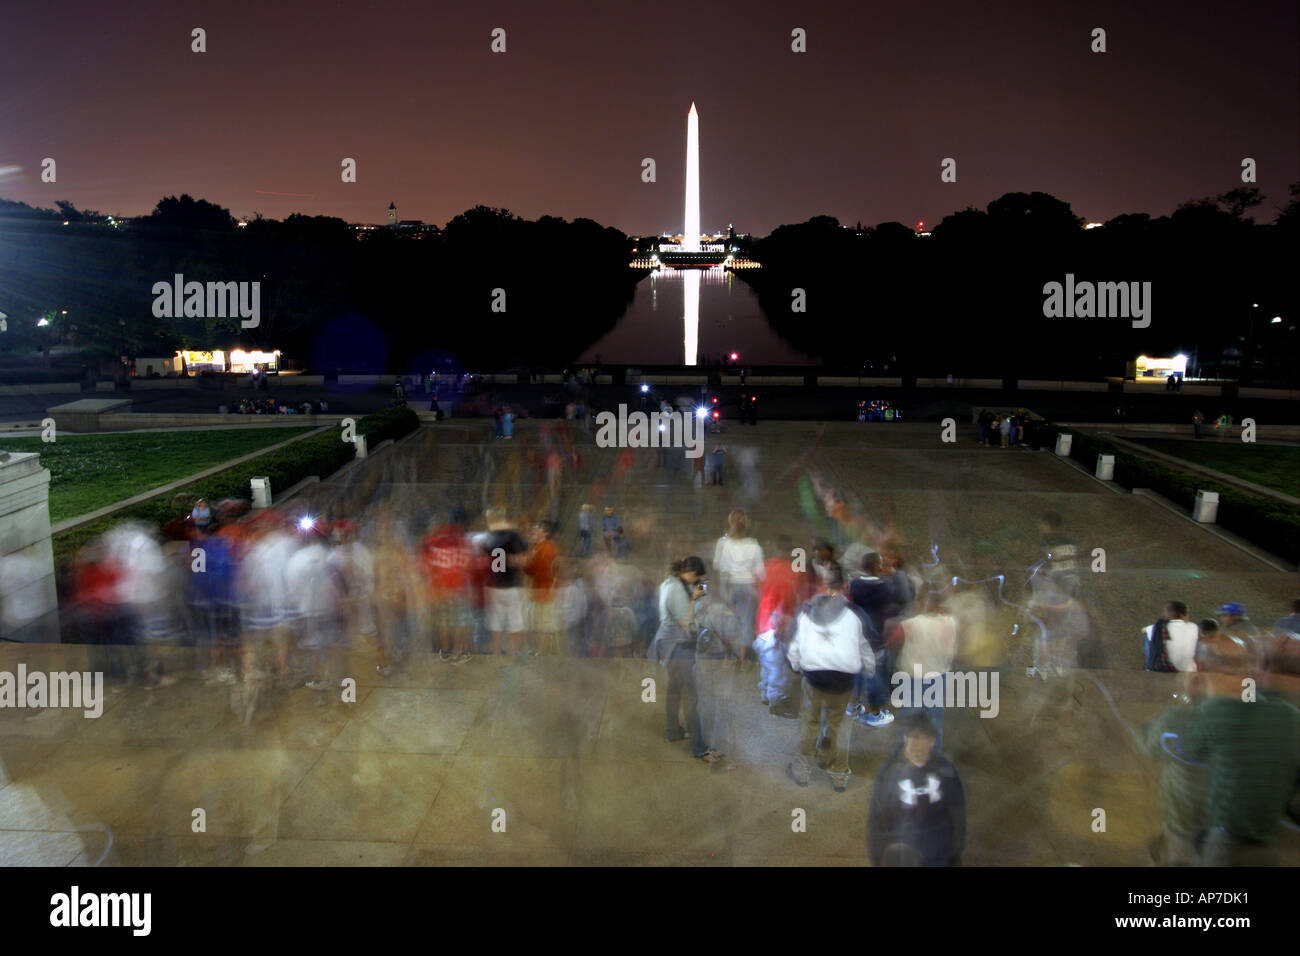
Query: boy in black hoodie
point(918, 808)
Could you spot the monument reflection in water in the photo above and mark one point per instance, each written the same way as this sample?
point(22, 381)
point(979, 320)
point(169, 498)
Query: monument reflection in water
point(689, 316)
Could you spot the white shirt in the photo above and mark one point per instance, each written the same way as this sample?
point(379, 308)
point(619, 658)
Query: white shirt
point(929, 640)
point(740, 560)
point(1180, 643)
point(837, 644)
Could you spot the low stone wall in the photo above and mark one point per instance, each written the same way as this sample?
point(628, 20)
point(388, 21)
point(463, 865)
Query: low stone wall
point(132, 422)
point(28, 592)
point(42, 388)
point(86, 414)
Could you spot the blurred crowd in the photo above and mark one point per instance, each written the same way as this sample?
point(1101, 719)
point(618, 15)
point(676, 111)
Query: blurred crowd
point(836, 626)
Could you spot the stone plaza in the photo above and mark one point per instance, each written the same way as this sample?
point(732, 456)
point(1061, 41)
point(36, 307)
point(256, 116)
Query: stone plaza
point(561, 761)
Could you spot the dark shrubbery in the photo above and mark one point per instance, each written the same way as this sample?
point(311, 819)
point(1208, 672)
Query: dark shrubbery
point(319, 455)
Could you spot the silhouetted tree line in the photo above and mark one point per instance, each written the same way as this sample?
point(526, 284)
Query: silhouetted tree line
point(968, 300)
point(330, 296)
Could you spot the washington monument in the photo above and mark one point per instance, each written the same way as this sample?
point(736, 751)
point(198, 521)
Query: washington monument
point(691, 234)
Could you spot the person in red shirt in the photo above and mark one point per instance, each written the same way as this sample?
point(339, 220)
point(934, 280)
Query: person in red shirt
point(98, 616)
point(449, 564)
point(540, 568)
point(782, 591)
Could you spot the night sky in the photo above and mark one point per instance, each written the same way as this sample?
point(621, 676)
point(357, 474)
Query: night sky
point(855, 128)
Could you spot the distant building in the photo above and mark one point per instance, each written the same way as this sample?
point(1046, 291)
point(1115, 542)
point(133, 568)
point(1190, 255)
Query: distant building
point(392, 214)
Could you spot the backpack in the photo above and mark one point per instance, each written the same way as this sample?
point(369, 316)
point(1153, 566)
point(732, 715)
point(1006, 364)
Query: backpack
point(1156, 658)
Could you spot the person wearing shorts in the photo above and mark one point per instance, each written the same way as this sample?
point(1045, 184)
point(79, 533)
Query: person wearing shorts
point(448, 564)
point(505, 549)
point(544, 617)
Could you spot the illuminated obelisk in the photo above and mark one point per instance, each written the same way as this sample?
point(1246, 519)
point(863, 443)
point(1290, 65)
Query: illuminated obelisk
point(691, 235)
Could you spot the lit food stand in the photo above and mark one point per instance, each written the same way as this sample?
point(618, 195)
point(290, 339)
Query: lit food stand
point(236, 360)
point(1147, 367)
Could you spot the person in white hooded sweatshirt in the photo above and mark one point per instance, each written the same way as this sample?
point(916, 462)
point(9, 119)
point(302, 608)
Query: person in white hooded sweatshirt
point(829, 649)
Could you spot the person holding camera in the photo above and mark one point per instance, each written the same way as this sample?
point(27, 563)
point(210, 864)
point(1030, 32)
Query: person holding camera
point(675, 646)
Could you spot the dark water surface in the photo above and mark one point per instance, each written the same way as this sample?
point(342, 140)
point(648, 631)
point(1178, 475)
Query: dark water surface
point(680, 315)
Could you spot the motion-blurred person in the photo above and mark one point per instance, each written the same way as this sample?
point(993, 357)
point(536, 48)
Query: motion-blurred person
point(1252, 747)
point(265, 601)
point(674, 647)
point(504, 547)
point(571, 598)
point(212, 600)
point(829, 649)
point(98, 615)
point(398, 585)
point(317, 590)
point(1183, 781)
point(837, 512)
point(1291, 623)
point(1235, 625)
point(354, 565)
point(924, 647)
point(448, 565)
point(585, 519)
point(611, 532)
point(824, 562)
point(1282, 646)
point(717, 464)
point(149, 589)
point(778, 600)
point(540, 567)
point(738, 561)
point(877, 594)
point(1061, 619)
point(918, 806)
point(201, 515)
point(1170, 643)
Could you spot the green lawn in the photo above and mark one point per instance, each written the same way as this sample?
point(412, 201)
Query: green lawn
point(90, 471)
point(1273, 466)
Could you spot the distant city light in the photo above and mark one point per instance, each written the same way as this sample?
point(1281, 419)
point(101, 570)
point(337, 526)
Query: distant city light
point(43, 322)
point(1276, 320)
point(1094, 225)
point(645, 388)
point(734, 356)
point(701, 413)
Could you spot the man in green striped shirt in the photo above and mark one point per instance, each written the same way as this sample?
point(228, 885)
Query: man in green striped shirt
point(1252, 747)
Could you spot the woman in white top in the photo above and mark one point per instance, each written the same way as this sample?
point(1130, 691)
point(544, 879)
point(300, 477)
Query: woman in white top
point(738, 559)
